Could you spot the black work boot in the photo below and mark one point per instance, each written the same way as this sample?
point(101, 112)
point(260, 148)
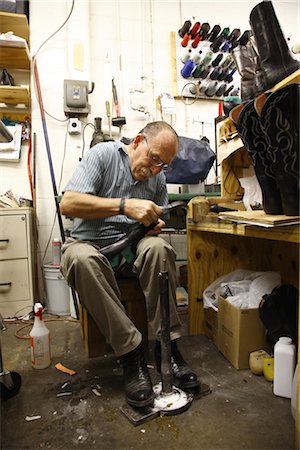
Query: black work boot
point(276, 59)
point(183, 376)
point(138, 385)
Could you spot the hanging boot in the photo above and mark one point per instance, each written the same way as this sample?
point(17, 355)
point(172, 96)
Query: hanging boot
point(183, 376)
point(276, 59)
point(259, 82)
point(138, 385)
point(246, 68)
point(247, 123)
point(279, 117)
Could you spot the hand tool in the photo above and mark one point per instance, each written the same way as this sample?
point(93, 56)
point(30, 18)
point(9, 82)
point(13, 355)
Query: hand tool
point(107, 106)
point(117, 121)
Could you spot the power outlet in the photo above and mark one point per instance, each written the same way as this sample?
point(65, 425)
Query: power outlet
point(74, 126)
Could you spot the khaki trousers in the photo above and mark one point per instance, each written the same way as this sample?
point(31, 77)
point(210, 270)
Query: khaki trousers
point(92, 277)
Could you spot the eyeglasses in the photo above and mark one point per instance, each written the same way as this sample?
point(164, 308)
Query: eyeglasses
point(155, 160)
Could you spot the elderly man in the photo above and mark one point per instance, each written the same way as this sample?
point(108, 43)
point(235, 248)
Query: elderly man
point(114, 187)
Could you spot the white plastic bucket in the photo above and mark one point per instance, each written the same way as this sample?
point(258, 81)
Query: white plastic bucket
point(58, 298)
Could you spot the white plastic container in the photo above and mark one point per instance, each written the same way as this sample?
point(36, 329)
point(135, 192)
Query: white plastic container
point(284, 367)
point(39, 340)
point(56, 252)
point(58, 298)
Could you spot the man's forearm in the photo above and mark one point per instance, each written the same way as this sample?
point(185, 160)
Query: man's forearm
point(87, 206)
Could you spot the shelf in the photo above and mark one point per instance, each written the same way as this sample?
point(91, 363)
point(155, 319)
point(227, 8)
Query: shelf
point(14, 95)
point(15, 57)
point(194, 99)
point(293, 78)
point(17, 23)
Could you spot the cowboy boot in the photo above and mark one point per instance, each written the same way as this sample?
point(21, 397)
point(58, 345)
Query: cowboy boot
point(276, 59)
point(247, 123)
point(279, 118)
point(259, 82)
point(246, 68)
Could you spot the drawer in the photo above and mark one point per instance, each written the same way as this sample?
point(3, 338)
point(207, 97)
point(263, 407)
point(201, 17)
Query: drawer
point(13, 237)
point(14, 280)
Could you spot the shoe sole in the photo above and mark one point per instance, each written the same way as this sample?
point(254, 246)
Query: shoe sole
point(192, 384)
point(141, 404)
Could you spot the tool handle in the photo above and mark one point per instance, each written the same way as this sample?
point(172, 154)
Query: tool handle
point(117, 110)
point(114, 91)
point(107, 106)
point(115, 97)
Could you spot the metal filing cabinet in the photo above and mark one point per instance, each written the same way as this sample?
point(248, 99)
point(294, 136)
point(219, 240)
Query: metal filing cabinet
point(16, 262)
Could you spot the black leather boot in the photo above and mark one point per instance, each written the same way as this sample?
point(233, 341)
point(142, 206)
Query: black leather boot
point(279, 118)
point(247, 123)
point(276, 59)
point(183, 376)
point(138, 385)
point(244, 62)
point(259, 82)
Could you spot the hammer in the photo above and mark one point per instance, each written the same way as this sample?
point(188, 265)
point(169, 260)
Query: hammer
point(117, 121)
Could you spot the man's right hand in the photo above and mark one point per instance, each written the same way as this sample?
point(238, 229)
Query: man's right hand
point(144, 211)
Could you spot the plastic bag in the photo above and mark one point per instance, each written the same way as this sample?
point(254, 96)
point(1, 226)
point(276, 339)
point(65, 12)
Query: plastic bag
point(192, 163)
point(243, 288)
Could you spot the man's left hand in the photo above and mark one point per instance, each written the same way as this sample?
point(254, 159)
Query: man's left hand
point(157, 229)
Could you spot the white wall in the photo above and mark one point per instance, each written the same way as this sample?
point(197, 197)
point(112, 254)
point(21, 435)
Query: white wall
point(125, 39)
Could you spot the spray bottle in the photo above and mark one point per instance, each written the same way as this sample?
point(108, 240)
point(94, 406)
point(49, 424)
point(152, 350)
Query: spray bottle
point(39, 340)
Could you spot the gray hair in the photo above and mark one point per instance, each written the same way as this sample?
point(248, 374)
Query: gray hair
point(154, 128)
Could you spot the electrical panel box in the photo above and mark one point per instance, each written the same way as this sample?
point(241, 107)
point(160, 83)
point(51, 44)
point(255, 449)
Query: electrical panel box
point(76, 97)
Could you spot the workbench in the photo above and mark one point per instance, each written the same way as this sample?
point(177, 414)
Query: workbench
point(217, 247)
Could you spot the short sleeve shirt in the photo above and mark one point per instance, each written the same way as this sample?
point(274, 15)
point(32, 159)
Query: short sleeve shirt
point(105, 172)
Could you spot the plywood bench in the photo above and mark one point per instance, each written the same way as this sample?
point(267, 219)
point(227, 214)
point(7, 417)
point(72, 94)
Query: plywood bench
point(134, 302)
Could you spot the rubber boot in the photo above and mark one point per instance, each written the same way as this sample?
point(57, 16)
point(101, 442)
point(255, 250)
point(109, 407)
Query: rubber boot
point(245, 65)
point(279, 118)
point(138, 385)
point(276, 59)
point(247, 123)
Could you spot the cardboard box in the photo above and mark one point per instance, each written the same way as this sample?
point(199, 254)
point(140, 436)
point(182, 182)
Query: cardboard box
point(240, 332)
point(211, 324)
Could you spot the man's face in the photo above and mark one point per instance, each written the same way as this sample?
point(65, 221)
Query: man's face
point(152, 154)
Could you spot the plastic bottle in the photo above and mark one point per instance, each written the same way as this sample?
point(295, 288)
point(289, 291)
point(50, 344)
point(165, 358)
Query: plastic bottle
point(188, 68)
point(284, 367)
point(56, 252)
point(39, 340)
point(186, 55)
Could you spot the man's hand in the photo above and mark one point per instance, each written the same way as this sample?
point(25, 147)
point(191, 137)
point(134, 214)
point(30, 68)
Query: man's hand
point(158, 227)
point(144, 211)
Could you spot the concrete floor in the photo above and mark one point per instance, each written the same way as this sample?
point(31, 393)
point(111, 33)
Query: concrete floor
point(240, 413)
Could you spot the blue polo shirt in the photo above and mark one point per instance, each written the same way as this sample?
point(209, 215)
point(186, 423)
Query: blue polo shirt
point(105, 172)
